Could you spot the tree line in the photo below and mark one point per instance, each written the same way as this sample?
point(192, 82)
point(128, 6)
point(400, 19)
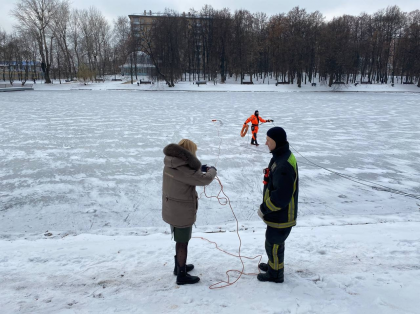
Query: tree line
point(295, 47)
point(63, 41)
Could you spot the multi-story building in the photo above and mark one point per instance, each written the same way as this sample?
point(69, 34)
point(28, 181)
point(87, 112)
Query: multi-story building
point(143, 21)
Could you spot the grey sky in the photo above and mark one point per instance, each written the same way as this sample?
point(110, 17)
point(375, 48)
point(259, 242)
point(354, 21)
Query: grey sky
point(329, 8)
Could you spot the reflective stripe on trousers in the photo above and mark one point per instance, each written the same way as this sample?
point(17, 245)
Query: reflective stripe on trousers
point(275, 253)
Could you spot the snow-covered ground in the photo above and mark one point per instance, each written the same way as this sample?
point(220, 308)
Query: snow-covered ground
point(80, 185)
point(231, 85)
point(331, 269)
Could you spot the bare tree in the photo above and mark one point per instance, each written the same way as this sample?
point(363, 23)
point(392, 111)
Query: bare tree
point(121, 41)
point(61, 27)
point(39, 15)
point(164, 44)
point(3, 48)
point(75, 39)
point(292, 47)
point(409, 49)
point(243, 43)
point(223, 35)
point(262, 48)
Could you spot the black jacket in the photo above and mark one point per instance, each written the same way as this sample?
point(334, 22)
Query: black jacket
point(280, 194)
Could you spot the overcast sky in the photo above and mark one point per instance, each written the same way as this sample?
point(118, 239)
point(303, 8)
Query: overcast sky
point(329, 8)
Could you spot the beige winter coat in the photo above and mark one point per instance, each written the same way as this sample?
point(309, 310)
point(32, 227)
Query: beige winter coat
point(181, 174)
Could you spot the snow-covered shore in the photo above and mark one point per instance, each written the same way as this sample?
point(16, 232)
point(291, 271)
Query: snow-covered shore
point(371, 268)
point(230, 86)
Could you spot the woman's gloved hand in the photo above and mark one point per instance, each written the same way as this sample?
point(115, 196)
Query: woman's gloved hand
point(204, 168)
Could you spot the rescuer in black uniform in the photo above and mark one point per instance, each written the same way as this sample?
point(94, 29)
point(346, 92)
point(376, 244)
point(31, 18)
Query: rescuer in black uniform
point(280, 203)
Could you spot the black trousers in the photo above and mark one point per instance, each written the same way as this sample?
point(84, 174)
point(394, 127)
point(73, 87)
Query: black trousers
point(274, 247)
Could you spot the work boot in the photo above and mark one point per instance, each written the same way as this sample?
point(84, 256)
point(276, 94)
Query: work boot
point(272, 275)
point(256, 144)
point(263, 266)
point(189, 267)
point(183, 278)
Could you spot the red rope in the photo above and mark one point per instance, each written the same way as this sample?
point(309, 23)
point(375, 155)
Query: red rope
point(224, 200)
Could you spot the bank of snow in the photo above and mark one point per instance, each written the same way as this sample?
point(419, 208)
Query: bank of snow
point(366, 268)
point(230, 86)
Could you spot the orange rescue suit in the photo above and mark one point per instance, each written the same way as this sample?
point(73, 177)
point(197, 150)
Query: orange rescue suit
point(255, 121)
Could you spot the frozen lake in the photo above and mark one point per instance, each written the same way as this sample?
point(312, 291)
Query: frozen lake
point(90, 160)
point(87, 167)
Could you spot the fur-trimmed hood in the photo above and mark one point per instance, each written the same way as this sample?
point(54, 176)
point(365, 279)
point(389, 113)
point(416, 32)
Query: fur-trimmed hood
point(178, 156)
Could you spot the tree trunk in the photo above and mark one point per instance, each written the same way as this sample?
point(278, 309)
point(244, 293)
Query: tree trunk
point(135, 63)
point(131, 67)
point(331, 80)
point(47, 61)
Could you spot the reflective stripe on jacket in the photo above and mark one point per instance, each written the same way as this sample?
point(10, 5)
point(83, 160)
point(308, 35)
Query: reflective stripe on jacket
point(280, 195)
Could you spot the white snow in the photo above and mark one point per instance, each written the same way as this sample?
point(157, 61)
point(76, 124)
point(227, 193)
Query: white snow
point(80, 184)
point(231, 85)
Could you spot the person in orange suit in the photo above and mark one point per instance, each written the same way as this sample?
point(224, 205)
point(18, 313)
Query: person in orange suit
point(255, 119)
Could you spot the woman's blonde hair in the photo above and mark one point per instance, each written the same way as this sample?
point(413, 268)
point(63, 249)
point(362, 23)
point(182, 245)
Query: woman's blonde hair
point(188, 145)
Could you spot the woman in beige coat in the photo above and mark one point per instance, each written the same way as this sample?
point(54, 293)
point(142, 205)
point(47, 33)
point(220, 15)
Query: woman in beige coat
point(181, 174)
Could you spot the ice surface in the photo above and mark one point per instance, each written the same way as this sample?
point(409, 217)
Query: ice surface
point(89, 160)
point(86, 166)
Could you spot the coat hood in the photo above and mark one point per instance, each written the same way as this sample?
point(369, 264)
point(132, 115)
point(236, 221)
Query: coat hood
point(178, 156)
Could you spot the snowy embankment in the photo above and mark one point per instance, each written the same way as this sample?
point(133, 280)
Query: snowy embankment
point(80, 183)
point(336, 269)
point(230, 86)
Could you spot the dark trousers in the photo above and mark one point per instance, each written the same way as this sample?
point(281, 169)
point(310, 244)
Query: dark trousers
point(274, 246)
